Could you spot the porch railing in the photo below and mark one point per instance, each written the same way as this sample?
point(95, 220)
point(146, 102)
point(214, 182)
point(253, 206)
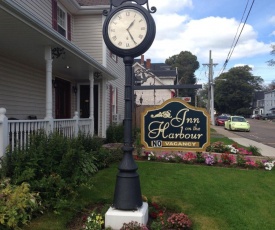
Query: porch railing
point(16, 133)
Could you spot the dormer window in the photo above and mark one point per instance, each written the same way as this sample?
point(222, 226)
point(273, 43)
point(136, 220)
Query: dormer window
point(61, 20)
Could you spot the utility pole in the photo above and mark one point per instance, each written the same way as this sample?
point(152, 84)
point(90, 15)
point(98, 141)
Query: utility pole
point(210, 102)
point(177, 76)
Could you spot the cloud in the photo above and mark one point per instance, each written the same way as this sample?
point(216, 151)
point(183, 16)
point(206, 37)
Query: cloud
point(196, 26)
point(272, 20)
point(200, 36)
point(239, 65)
point(168, 6)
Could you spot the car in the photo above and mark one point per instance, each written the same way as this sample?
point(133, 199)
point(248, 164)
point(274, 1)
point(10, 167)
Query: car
point(237, 123)
point(219, 121)
point(270, 116)
point(257, 116)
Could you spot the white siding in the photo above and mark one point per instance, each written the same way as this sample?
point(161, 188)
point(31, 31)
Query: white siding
point(41, 9)
point(22, 90)
point(269, 99)
point(119, 70)
point(88, 35)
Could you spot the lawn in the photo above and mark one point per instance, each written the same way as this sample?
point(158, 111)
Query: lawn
point(213, 197)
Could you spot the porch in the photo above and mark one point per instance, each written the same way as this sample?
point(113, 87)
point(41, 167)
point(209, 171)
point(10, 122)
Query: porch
point(16, 133)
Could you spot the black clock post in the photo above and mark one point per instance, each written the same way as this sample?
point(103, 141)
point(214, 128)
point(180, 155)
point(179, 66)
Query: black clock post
point(127, 191)
point(128, 42)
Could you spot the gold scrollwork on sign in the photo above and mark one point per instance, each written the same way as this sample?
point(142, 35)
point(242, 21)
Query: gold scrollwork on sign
point(164, 114)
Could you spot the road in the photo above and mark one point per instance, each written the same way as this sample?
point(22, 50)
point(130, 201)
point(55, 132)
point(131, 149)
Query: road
point(261, 131)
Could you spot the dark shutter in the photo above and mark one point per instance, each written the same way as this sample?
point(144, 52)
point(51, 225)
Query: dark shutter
point(69, 27)
point(111, 103)
point(116, 100)
point(54, 14)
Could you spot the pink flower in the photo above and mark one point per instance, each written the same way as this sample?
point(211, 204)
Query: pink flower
point(189, 156)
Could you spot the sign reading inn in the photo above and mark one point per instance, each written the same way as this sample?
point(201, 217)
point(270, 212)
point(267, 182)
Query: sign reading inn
point(175, 125)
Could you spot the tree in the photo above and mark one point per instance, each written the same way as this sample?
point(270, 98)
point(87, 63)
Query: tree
point(234, 90)
point(271, 86)
point(271, 62)
point(186, 64)
point(202, 96)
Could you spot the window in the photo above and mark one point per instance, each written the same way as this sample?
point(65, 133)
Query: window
point(113, 56)
point(61, 20)
point(114, 101)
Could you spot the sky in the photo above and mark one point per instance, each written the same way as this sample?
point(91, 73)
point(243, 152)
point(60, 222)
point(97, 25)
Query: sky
point(199, 26)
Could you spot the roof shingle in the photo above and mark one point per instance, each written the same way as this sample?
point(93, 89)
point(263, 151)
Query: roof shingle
point(93, 2)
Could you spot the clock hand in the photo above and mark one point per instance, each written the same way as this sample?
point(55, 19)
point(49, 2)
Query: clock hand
point(131, 36)
point(130, 25)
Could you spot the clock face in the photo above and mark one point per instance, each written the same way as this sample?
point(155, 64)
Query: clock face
point(127, 29)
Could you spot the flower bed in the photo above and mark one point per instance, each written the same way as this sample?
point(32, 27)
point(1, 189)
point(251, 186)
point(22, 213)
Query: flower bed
point(159, 218)
point(228, 155)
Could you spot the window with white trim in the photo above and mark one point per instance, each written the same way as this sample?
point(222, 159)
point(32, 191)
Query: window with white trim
point(61, 21)
point(114, 100)
point(113, 56)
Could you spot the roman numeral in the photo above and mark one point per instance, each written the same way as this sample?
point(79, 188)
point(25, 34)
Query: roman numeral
point(114, 38)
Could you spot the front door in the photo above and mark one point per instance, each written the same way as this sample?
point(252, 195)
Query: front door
point(85, 104)
point(62, 99)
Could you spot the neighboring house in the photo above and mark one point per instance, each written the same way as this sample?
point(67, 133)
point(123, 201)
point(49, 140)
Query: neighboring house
point(258, 103)
point(269, 100)
point(156, 74)
point(55, 66)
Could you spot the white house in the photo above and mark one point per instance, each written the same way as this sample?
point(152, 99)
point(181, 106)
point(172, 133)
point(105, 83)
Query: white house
point(155, 74)
point(55, 70)
point(269, 100)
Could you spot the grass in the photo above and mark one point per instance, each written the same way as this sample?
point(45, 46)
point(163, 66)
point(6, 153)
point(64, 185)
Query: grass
point(213, 197)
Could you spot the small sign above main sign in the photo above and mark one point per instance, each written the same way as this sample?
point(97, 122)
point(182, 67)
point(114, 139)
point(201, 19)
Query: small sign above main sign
point(175, 125)
point(186, 99)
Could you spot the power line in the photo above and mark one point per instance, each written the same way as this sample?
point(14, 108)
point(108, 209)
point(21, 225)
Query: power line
point(233, 47)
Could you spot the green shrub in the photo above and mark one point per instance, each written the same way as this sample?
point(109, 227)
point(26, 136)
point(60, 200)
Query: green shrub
point(241, 160)
point(218, 147)
point(255, 150)
point(54, 166)
point(17, 205)
point(114, 133)
point(88, 143)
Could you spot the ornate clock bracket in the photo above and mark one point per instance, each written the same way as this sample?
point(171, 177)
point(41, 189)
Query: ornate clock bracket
point(116, 3)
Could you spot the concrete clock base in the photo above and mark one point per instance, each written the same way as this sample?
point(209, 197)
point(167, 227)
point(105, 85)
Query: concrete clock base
point(116, 218)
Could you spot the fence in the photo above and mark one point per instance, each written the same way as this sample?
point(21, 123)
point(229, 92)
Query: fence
point(17, 133)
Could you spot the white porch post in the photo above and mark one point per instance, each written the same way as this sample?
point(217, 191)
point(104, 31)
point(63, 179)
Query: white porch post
point(4, 132)
point(76, 128)
point(104, 107)
point(49, 99)
point(91, 78)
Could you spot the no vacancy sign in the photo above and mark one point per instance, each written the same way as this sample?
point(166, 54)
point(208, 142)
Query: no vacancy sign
point(175, 125)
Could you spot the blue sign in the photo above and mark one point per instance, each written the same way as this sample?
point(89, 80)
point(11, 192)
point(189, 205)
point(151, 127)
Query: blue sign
point(175, 125)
